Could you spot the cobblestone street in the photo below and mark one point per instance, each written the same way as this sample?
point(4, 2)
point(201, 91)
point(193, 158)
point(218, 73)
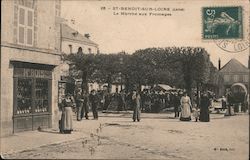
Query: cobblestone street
point(114, 137)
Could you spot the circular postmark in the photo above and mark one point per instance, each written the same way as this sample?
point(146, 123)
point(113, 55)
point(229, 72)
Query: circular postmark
point(233, 45)
point(224, 25)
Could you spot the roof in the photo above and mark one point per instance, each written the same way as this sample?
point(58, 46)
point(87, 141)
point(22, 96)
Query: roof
point(162, 87)
point(234, 66)
point(68, 33)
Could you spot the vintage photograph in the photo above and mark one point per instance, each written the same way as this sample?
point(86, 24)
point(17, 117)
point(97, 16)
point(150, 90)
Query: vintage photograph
point(125, 79)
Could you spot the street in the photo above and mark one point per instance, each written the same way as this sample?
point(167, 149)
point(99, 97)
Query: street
point(157, 136)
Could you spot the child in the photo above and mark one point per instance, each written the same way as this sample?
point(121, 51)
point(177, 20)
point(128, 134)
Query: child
point(196, 113)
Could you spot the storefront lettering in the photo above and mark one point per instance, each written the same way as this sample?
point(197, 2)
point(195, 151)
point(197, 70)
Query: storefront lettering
point(36, 73)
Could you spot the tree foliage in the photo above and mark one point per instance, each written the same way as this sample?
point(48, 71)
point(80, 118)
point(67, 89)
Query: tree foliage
point(183, 67)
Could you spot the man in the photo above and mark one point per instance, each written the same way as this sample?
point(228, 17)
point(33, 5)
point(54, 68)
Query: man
point(93, 101)
point(79, 104)
point(176, 103)
point(136, 101)
point(85, 108)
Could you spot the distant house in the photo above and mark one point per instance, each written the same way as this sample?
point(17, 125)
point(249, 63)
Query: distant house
point(72, 40)
point(234, 73)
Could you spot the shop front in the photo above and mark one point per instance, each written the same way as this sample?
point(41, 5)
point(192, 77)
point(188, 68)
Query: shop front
point(32, 96)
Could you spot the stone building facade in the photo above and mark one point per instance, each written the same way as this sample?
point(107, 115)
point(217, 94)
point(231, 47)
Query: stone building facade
point(234, 73)
point(30, 55)
point(72, 40)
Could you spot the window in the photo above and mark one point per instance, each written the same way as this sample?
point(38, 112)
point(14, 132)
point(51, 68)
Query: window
point(79, 50)
point(89, 50)
point(25, 26)
point(24, 96)
point(32, 90)
point(226, 78)
point(236, 78)
point(245, 78)
point(41, 95)
point(70, 48)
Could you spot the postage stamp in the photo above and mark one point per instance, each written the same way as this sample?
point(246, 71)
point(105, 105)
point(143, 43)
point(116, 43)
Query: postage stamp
point(222, 22)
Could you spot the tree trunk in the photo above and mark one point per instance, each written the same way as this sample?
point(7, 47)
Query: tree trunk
point(109, 81)
point(127, 86)
point(85, 81)
point(198, 94)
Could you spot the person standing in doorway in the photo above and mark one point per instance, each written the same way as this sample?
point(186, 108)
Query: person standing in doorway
point(136, 101)
point(93, 101)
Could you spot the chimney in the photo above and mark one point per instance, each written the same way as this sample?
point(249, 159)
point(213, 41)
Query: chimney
point(75, 33)
point(219, 67)
point(87, 35)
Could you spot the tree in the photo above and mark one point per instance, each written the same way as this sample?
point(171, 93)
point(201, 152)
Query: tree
point(81, 66)
point(183, 67)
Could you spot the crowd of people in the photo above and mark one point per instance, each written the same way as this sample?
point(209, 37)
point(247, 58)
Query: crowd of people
point(145, 101)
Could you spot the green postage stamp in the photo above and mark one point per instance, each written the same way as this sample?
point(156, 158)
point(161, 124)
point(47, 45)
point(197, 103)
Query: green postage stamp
point(222, 22)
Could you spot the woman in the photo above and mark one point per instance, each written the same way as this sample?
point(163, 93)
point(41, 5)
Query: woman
point(66, 119)
point(186, 108)
point(204, 112)
point(137, 106)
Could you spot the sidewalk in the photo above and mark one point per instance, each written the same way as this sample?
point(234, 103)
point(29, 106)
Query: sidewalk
point(33, 139)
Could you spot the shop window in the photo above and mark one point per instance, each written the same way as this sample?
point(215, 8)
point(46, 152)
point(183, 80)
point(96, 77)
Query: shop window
point(25, 26)
point(32, 89)
point(24, 96)
point(41, 95)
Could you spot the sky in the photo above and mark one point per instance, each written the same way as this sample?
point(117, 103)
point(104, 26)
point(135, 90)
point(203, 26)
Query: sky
point(116, 33)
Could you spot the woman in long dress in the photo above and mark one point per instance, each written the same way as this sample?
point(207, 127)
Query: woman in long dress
point(186, 108)
point(66, 119)
point(205, 103)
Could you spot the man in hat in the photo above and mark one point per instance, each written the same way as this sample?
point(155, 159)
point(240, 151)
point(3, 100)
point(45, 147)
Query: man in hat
point(79, 103)
point(93, 101)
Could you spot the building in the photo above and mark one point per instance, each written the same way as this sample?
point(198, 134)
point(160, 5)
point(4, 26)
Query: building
point(234, 73)
point(30, 55)
point(72, 40)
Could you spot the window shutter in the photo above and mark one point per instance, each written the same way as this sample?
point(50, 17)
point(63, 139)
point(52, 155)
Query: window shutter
point(25, 26)
point(29, 27)
point(29, 36)
point(21, 16)
point(30, 18)
point(21, 34)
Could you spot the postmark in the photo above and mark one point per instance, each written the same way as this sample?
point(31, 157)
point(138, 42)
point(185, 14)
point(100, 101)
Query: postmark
point(222, 22)
point(233, 46)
